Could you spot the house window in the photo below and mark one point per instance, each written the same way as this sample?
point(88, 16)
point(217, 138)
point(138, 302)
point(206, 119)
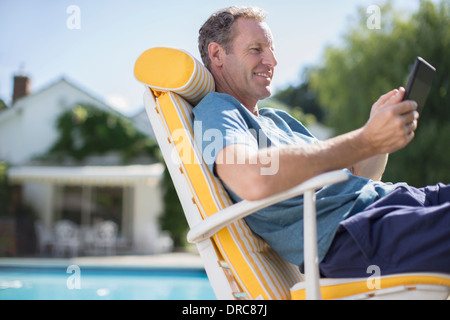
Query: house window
point(107, 204)
point(70, 204)
point(88, 205)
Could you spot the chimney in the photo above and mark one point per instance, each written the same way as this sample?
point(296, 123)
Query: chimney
point(21, 87)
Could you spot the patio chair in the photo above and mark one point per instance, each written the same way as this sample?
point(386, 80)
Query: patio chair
point(67, 237)
point(239, 264)
point(44, 237)
point(106, 237)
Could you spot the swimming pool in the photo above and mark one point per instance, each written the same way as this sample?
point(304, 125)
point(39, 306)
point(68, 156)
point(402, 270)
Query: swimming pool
point(103, 283)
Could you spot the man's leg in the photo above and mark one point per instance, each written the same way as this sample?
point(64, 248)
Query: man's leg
point(407, 231)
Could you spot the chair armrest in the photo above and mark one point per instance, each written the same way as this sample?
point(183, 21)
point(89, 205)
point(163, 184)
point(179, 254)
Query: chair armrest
point(211, 225)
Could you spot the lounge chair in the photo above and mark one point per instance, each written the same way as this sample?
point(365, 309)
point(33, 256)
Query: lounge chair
point(239, 264)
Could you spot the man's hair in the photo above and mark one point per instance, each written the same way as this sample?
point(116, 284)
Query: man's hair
point(219, 28)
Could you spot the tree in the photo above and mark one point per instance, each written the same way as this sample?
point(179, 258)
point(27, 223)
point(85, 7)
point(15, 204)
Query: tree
point(3, 105)
point(301, 97)
point(373, 61)
point(4, 189)
point(85, 131)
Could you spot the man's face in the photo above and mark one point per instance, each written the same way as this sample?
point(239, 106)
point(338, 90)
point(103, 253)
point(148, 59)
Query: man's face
point(249, 66)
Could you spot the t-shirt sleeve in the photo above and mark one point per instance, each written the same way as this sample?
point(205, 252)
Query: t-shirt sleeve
point(219, 122)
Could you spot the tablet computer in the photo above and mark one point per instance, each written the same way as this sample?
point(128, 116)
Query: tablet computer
point(419, 82)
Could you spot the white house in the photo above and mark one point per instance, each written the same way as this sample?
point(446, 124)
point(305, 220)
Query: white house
point(99, 190)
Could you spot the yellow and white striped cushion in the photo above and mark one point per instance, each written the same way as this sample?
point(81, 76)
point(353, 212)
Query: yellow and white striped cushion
point(167, 69)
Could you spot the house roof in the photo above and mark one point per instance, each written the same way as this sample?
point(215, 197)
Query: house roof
point(89, 175)
point(22, 102)
point(15, 109)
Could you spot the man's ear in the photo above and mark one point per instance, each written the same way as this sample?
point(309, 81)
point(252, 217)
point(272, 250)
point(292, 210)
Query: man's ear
point(216, 54)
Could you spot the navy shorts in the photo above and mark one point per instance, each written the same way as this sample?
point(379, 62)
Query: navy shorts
point(406, 231)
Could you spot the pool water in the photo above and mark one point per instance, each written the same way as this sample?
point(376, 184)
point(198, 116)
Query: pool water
point(96, 283)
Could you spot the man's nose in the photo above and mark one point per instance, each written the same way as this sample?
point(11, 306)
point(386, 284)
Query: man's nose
point(269, 58)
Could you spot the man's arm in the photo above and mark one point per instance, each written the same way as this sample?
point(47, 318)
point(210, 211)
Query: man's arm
point(372, 168)
point(256, 174)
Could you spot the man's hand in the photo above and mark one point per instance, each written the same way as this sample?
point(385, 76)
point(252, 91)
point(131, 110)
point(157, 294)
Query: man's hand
point(392, 122)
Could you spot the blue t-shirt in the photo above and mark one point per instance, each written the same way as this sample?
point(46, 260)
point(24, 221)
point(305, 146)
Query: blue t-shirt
point(221, 120)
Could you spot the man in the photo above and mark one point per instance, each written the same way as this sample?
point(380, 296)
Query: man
point(362, 221)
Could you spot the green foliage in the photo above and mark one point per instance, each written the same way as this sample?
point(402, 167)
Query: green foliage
point(374, 61)
point(3, 105)
point(86, 131)
point(173, 220)
point(302, 99)
point(4, 190)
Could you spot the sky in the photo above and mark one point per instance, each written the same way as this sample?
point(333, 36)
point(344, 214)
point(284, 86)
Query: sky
point(95, 43)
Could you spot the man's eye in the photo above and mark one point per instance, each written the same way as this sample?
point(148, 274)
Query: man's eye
point(255, 49)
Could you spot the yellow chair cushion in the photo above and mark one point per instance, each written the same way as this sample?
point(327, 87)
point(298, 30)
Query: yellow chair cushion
point(342, 288)
point(167, 69)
